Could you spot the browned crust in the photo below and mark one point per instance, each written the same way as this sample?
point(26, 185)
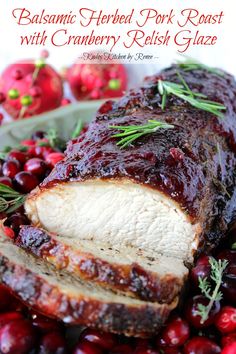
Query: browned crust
point(34, 290)
point(132, 279)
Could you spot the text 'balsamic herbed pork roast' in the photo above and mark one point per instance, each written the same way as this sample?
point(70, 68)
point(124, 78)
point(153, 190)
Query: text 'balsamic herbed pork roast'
point(169, 194)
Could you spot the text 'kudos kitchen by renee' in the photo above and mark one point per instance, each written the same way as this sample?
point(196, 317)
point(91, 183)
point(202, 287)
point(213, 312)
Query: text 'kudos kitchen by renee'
point(86, 27)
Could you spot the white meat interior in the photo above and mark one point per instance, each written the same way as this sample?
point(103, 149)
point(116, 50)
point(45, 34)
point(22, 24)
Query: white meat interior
point(117, 213)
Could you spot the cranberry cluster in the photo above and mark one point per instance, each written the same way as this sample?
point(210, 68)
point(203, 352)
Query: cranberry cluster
point(25, 167)
point(23, 330)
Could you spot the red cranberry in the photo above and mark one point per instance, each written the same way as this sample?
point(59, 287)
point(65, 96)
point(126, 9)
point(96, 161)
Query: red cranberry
point(18, 306)
point(175, 333)
point(52, 343)
point(46, 325)
point(15, 221)
point(230, 338)
point(229, 255)
point(201, 345)
point(6, 180)
point(145, 350)
point(122, 349)
point(42, 151)
point(36, 166)
point(5, 298)
point(87, 348)
point(53, 158)
point(8, 317)
point(191, 312)
point(39, 134)
point(2, 97)
point(11, 168)
point(9, 232)
point(25, 182)
point(17, 337)
point(202, 269)
point(171, 350)
point(229, 349)
point(103, 340)
point(228, 285)
point(18, 155)
point(226, 320)
point(28, 142)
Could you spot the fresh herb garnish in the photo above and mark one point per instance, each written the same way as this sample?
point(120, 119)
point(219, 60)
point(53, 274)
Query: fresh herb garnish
point(195, 99)
point(10, 200)
point(76, 132)
point(192, 64)
point(130, 133)
point(54, 140)
point(213, 295)
point(233, 246)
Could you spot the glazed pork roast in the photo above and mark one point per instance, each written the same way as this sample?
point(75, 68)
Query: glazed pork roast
point(130, 221)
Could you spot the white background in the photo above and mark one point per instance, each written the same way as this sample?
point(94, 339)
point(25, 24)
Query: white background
point(221, 55)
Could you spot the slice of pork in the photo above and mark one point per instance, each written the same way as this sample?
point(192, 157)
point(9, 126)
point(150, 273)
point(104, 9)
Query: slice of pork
point(58, 294)
point(139, 274)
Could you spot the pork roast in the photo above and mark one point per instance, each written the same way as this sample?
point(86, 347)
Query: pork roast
point(170, 195)
point(171, 192)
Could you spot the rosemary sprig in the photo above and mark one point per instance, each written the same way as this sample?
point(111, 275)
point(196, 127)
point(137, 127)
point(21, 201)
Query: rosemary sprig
point(10, 200)
point(195, 99)
point(217, 270)
point(78, 128)
point(191, 64)
point(130, 133)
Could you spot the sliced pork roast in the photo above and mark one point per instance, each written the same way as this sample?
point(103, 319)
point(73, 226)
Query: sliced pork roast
point(60, 295)
point(171, 192)
point(134, 272)
point(170, 195)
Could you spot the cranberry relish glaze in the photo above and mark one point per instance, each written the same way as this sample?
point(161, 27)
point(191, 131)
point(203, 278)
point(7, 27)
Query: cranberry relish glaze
point(194, 163)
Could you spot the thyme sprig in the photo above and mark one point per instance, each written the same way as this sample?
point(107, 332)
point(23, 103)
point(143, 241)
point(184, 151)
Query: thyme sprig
point(212, 294)
point(131, 133)
point(10, 200)
point(190, 64)
point(195, 99)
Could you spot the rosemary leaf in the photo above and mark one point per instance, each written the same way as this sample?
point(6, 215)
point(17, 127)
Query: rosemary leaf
point(3, 205)
point(130, 133)
point(233, 247)
point(76, 132)
point(10, 200)
point(190, 64)
point(195, 99)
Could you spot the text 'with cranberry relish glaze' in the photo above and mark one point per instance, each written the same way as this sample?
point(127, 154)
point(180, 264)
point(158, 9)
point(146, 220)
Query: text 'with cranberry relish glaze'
point(148, 187)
